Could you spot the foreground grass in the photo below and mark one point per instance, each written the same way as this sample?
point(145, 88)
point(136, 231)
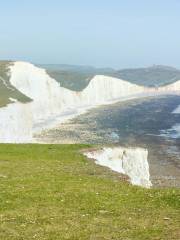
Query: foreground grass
point(54, 192)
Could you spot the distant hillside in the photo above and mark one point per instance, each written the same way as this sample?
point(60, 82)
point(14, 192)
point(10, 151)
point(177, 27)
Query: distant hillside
point(74, 77)
point(7, 91)
point(75, 68)
point(152, 76)
point(77, 77)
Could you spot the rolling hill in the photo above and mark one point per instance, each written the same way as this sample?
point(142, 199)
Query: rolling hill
point(78, 77)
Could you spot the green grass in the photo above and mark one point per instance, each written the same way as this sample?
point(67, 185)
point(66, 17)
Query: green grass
point(77, 78)
point(7, 90)
point(53, 192)
point(75, 81)
point(150, 76)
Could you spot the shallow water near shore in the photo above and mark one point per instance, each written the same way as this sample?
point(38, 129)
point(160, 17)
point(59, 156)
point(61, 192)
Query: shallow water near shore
point(134, 123)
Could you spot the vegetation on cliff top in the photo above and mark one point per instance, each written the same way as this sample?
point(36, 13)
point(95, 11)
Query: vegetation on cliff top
point(78, 77)
point(53, 192)
point(8, 91)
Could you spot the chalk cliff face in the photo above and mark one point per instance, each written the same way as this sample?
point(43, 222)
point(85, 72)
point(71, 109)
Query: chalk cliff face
point(15, 123)
point(170, 88)
point(130, 161)
point(50, 101)
point(102, 89)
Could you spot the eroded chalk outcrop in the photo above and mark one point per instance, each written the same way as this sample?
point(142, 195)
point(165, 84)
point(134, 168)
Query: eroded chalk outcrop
point(130, 161)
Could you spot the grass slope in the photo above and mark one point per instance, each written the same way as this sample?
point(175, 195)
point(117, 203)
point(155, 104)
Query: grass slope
point(53, 192)
point(6, 89)
point(75, 81)
point(77, 77)
point(156, 75)
point(73, 77)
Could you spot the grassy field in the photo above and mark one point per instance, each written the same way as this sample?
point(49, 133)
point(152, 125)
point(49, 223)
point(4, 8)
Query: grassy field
point(53, 192)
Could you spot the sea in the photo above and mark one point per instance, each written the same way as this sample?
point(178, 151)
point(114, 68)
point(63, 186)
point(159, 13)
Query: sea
point(152, 123)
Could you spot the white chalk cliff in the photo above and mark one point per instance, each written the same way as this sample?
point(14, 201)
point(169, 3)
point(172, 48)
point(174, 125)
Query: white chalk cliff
point(130, 161)
point(52, 104)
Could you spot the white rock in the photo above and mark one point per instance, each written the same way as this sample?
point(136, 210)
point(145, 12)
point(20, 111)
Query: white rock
point(53, 104)
point(130, 161)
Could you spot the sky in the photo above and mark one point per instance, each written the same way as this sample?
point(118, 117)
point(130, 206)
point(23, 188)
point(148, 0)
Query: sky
point(101, 33)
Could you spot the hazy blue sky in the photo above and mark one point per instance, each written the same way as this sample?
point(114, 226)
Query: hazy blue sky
point(115, 33)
